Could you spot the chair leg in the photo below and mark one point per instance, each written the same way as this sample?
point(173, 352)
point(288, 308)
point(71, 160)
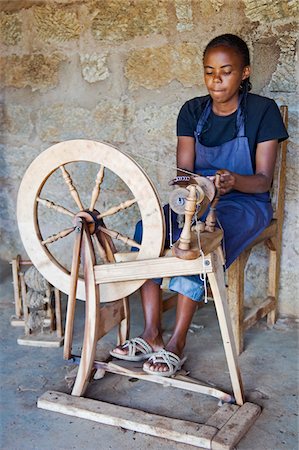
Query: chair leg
point(274, 272)
point(216, 280)
point(92, 319)
point(235, 275)
point(124, 326)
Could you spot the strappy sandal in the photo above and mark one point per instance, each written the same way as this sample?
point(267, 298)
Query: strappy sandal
point(138, 350)
point(173, 361)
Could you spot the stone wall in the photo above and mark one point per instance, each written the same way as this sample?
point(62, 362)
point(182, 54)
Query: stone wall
point(118, 71)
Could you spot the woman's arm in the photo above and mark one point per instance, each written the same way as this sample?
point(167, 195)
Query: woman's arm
point(261, 180)
point(185, 154)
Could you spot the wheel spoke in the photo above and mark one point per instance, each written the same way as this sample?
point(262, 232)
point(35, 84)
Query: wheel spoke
point(74, 193)
point(117, 208)
point(59, 235)
point(100, 248)
point(52, 205)
point(120, 237)
point(97, 187)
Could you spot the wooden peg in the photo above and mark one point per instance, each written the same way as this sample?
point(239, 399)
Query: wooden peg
point(211, 217)
point(57, 236)
point(190, 207)
point(97, 187)
point(52, 205)
point(117, 208)
point(74, 193)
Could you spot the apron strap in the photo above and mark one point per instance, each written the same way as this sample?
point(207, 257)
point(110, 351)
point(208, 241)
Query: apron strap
point(240, 120)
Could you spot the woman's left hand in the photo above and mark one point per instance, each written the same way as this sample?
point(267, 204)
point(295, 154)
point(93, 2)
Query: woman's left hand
point(225, 182)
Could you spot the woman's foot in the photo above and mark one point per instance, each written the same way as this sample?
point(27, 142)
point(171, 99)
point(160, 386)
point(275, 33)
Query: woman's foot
point(160, 365)
point(138, 349)
point(164, 363)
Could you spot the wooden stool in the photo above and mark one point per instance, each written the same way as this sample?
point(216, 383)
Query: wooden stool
point(271, 237)
point(53, 335)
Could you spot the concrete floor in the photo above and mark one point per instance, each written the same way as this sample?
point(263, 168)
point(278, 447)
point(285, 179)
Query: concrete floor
point(269, 367)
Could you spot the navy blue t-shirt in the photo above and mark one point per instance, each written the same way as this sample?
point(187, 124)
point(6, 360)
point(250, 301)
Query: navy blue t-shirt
point(263, 122)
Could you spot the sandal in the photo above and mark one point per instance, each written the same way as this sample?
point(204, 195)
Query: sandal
point(138, 350)
point(163, 356)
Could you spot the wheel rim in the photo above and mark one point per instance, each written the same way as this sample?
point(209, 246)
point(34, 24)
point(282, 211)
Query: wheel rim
point(127, 170)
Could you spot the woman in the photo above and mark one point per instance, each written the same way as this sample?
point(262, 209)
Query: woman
point(232, 130)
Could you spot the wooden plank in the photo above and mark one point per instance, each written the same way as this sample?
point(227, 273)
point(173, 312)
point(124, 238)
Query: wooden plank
point(191, 433)
point(236, 427)
point(15, 265)
point(41, 340)
point(222, 415)
point(24, 306)
point(58, 318)
point(258, 312)
point(152, 268)
point(16, 322)
point(178, 381)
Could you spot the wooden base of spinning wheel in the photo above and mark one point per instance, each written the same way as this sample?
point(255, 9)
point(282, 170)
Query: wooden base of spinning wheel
point(223, 429)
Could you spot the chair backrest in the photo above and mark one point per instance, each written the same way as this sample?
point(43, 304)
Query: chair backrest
point(279, 181)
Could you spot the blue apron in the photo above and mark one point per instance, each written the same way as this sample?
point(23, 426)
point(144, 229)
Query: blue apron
point(241, 216)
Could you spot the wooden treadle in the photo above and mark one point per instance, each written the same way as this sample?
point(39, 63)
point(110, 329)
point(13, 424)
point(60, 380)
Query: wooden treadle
point(222, 431)
point(181, 380)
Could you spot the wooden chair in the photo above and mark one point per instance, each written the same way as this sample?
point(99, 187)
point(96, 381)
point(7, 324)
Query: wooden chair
point(271, 237)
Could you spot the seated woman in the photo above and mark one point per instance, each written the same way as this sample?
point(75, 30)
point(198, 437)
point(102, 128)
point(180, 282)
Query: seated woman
point(228, 129)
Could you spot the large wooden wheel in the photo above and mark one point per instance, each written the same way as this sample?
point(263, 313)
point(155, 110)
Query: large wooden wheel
point(58, 158)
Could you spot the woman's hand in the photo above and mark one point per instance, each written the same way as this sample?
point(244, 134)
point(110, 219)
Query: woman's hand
point(225, 182)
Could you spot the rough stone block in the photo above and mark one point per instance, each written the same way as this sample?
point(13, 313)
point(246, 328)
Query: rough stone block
point(217, 4)
point(266, 54)
point(183, 10)
point(10, 28)
point(155, 67)
point(156, 124)
point(117, 20)
point(55, 23)
point(113, 120)
point(16, 121)
point(37, 71)
point(107, 122)
point(265, 11)
point(284, 78)
point(94, 67)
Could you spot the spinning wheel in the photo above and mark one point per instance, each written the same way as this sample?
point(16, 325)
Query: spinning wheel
point(117, 274)
point(39, 248)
